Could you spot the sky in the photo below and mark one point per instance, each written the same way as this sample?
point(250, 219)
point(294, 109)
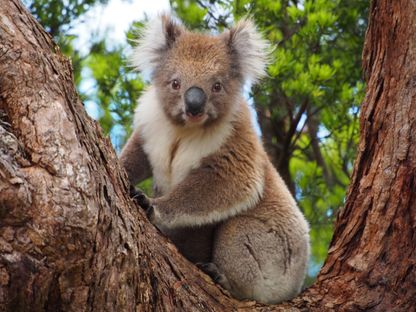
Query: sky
point(113, 20)
point(110, 21)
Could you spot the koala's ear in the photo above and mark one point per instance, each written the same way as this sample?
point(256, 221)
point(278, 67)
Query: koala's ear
point(157, 37)
point(249, 51)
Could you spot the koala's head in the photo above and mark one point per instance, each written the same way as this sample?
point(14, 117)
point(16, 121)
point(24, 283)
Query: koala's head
point(199, 77)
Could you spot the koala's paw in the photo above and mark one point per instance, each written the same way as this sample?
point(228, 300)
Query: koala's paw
point(142, 200)
point(214, 272)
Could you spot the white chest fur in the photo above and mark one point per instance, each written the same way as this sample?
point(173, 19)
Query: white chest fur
point(173, 153)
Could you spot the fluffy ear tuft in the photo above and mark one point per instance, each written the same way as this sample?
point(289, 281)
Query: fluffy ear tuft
point(155, 39)
point(250, 50)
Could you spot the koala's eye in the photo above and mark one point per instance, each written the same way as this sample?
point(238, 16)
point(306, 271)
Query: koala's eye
point(176, 85)
point(217, 87)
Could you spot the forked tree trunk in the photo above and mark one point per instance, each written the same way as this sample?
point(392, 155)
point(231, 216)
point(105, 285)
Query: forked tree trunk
point(72, 240)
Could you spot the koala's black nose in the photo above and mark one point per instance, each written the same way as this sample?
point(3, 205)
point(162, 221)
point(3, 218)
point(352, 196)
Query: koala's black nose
point(195, 99)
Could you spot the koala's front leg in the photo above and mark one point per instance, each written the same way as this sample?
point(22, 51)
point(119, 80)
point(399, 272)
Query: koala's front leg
point(209, 194)
point(134, 159)
point(142, 200)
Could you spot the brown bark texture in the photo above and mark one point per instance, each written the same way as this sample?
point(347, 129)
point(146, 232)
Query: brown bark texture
point(72, 240)
point(371, 263)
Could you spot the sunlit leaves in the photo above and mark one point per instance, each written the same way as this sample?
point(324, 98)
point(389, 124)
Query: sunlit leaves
point(116, 89)
point(57, 15)
point(295, 13)
point(191, 12)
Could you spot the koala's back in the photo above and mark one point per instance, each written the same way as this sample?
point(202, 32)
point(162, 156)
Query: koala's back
point(269, 245)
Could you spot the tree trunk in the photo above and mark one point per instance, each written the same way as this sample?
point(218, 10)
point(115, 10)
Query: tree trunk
point(371, 263)
point(72, 240)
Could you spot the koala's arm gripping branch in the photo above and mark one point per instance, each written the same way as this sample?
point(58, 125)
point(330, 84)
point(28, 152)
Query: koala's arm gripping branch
point(135, 160)
point(211, 193)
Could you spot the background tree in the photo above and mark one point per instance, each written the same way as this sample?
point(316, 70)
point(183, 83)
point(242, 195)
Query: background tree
point(71, 239)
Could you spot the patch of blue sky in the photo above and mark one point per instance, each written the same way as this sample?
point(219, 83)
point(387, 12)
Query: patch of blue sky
point(354, 110)
point(113, 20)
point(314, 268)
point(117, 136)
point(87, 87)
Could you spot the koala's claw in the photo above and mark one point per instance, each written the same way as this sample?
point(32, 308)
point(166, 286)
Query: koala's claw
point(150, 212)
point(141, 199)
point(214, 272)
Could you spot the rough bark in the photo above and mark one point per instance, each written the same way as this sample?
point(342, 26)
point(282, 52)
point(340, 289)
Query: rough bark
point(372, 257)
point(72, 240)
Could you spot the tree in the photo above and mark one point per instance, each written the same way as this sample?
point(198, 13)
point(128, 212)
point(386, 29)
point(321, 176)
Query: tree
point(71, 239)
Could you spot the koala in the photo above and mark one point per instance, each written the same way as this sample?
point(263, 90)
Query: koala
point(216, 194)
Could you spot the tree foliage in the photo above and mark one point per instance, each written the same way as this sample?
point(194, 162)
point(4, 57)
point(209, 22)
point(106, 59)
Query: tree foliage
point(307, 107)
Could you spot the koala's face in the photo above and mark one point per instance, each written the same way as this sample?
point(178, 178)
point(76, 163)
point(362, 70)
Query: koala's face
point(199, 77)
point(195, 81)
